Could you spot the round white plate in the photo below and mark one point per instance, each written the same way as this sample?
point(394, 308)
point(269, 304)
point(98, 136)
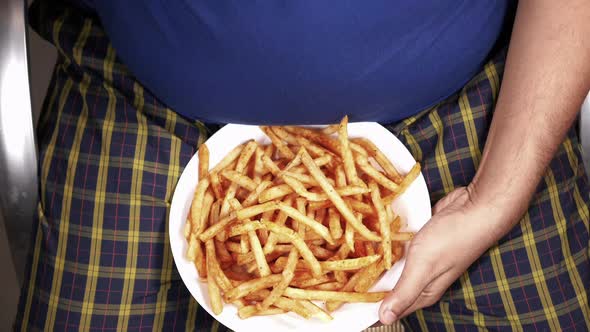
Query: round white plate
point(413, 207)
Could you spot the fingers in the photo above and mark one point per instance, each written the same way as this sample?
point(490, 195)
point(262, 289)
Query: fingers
point(414, 278)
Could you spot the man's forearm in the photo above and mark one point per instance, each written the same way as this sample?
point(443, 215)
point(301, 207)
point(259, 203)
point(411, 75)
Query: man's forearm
point(546, 77)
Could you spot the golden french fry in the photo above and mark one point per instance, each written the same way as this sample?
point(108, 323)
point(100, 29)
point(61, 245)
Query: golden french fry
point(280, 220)
point(349, 264)
point(294, 306)
point(331, 129)
point(228, 159)
point(274, 193)
point(214, 270)
point(222, 253)
point(203, 161)
point(349, 234)
point(319, 205)
point(235, 247)
point(346, 153)
point(288, 274)
point(270, 165)
point(330, 286)
point(245, 227)
point(255, 210)
point(372, 172)
point(409, 178)
point(337, 199)
point(258, 169)
point(241, 164)
point(334, 223)
point(197, 204)
point(252, 286)
point(369, 276)
point(320, 252)
point(303, 178)
point(240, 179)
point(316, 311)
point(384, 225)
point(361, 207)
point(278, 143)
point(254, 195)
point(402, 236)
point(216, 228)
point(216, 185)
point(312, 295)
point(298, 243)
point(252, 310)
point(380, 157)
point(315, 226)
point(215, 297)
point(299, 188)
point(305, 283)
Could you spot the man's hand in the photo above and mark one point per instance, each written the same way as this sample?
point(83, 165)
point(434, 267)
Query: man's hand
point(458, 233)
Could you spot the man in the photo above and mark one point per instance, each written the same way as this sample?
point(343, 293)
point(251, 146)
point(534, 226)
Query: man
point(507, 247)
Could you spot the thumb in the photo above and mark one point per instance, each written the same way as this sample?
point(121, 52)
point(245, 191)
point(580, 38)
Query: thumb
point(414, 278)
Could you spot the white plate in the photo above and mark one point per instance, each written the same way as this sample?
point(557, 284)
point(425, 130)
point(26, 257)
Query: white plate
point(413, 207)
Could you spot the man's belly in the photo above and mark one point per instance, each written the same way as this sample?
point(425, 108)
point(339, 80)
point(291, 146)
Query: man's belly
point(302, 62)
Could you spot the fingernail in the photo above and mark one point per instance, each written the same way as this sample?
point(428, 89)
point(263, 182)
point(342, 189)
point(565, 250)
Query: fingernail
point(388, 317)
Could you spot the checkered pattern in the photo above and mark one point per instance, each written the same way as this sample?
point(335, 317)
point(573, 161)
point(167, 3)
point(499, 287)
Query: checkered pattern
point(111, 154)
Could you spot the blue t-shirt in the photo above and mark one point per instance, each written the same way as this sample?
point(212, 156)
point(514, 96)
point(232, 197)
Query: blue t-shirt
point(304, 61)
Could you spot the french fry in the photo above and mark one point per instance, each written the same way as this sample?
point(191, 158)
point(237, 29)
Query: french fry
point(372, 172)
point(254, 195)
point(305, 283)
point(369, 276)
point(346, 154)
point(331, 129)
point(216, 228)
point(336, 199)
point(298, 243)
point(270, 165)
point(349, 264)
point(252, 310)
point(258, 169)
point(222, 253)
point(214, 296)
point(287, 274)
point(402, 236)
point(245, 227)
point(380, 157)
point(318, 228)
point(197, 204)
point(228, 159)
point(330, 286)
point(240, 179)
point(203, 161)
point(216, 185)
point(334, 223)
point(214, 271)
point(320, 252)
point(235, 247)
point(313, 295)
point(384, 226)
point(251, 286)
point(278, 143)
point(316, 311)
point(294, 306)
point(280, 220)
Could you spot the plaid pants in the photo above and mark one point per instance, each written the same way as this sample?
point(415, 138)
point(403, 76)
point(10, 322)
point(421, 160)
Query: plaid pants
point(111, 154)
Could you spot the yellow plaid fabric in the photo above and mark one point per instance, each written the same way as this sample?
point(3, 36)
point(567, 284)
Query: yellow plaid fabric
point(110, 157)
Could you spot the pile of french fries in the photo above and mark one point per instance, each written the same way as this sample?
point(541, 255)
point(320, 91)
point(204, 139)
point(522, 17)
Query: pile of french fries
point(306, 218)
